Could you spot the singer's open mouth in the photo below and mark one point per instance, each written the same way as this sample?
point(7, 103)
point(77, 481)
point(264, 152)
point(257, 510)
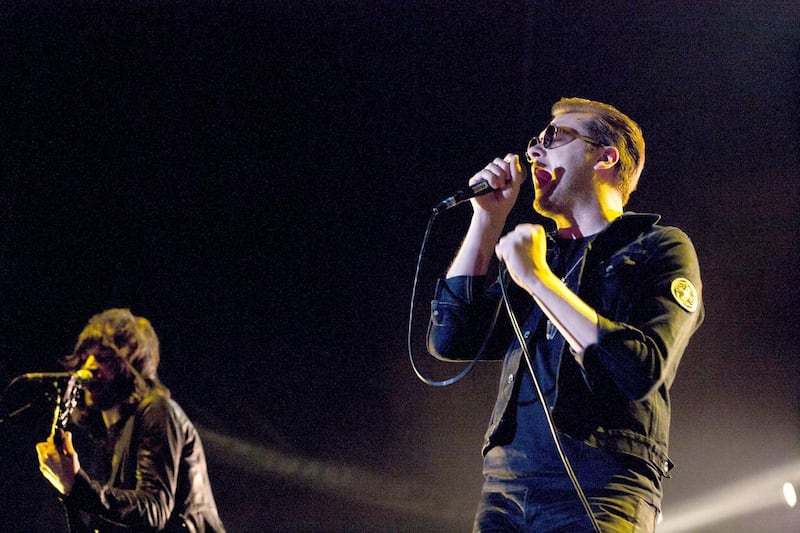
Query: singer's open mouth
point(542, 176)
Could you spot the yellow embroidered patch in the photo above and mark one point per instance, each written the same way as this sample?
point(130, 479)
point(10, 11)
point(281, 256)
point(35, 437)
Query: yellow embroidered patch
point(684, 293)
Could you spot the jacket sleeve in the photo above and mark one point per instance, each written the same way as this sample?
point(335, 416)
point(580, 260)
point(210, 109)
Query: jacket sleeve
point(158, 452)
point(466, 319)
point(642, 353)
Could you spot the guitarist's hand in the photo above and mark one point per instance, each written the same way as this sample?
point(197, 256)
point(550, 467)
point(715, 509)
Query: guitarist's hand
point(59, 466)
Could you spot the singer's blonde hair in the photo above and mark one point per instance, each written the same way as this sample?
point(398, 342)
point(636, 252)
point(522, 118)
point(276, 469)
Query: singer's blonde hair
point(612, 128)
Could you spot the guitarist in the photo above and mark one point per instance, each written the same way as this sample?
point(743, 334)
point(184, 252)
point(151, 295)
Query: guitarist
point(145, 465)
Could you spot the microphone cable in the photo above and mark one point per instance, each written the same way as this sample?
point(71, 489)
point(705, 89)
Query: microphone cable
point(467, 369)
point(512, 317)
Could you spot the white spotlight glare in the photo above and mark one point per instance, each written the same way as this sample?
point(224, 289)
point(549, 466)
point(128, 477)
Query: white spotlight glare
point(734, 500)
point(789, 494)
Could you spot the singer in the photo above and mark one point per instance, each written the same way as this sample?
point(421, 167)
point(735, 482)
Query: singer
point(605, 301)
point(142, 467)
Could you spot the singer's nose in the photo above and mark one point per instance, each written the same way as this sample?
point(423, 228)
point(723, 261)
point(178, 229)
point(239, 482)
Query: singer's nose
point(534, 151)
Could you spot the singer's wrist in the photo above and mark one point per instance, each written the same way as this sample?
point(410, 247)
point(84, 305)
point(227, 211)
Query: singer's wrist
point(538, 282)
point(488, 222)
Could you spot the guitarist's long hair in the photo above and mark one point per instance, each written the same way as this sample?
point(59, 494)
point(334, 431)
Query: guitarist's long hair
point(136, 344)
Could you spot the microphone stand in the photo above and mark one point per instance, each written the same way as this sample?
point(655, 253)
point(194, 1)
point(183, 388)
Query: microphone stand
point(51, 395)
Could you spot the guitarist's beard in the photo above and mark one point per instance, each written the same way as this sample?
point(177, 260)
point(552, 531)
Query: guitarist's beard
point(105, 394)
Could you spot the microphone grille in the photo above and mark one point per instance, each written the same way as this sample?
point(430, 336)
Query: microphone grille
point(82, 373)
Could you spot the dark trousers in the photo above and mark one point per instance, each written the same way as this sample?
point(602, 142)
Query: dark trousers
point(548, 506)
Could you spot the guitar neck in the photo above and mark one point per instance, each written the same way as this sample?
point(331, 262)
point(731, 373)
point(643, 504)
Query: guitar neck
point(66, 400)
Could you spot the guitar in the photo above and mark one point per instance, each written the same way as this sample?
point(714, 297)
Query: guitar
point(66, 400)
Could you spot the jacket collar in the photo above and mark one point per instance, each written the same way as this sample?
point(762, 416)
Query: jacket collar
point(627, 225)
point(623, 230)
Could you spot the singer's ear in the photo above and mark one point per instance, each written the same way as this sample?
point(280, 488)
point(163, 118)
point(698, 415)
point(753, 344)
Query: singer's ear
point(608, 158)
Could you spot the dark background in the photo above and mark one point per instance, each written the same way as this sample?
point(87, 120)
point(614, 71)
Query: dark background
point(256, 178)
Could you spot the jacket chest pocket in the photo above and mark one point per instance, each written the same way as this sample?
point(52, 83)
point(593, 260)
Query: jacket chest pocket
point(620, 279)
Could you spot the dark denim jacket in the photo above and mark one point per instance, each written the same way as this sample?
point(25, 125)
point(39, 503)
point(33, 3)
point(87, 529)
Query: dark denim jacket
point(644, 282)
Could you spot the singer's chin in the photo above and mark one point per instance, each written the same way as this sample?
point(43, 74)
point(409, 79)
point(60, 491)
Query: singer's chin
point(543, 205)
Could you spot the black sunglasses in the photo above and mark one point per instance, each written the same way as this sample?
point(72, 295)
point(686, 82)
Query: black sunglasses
point(554, 136)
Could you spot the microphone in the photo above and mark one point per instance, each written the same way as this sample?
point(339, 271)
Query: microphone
point(478, 189)
point(81, 374)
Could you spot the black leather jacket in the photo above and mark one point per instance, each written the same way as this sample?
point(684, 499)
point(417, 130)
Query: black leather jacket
point(643, 280)
point(158, 477)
